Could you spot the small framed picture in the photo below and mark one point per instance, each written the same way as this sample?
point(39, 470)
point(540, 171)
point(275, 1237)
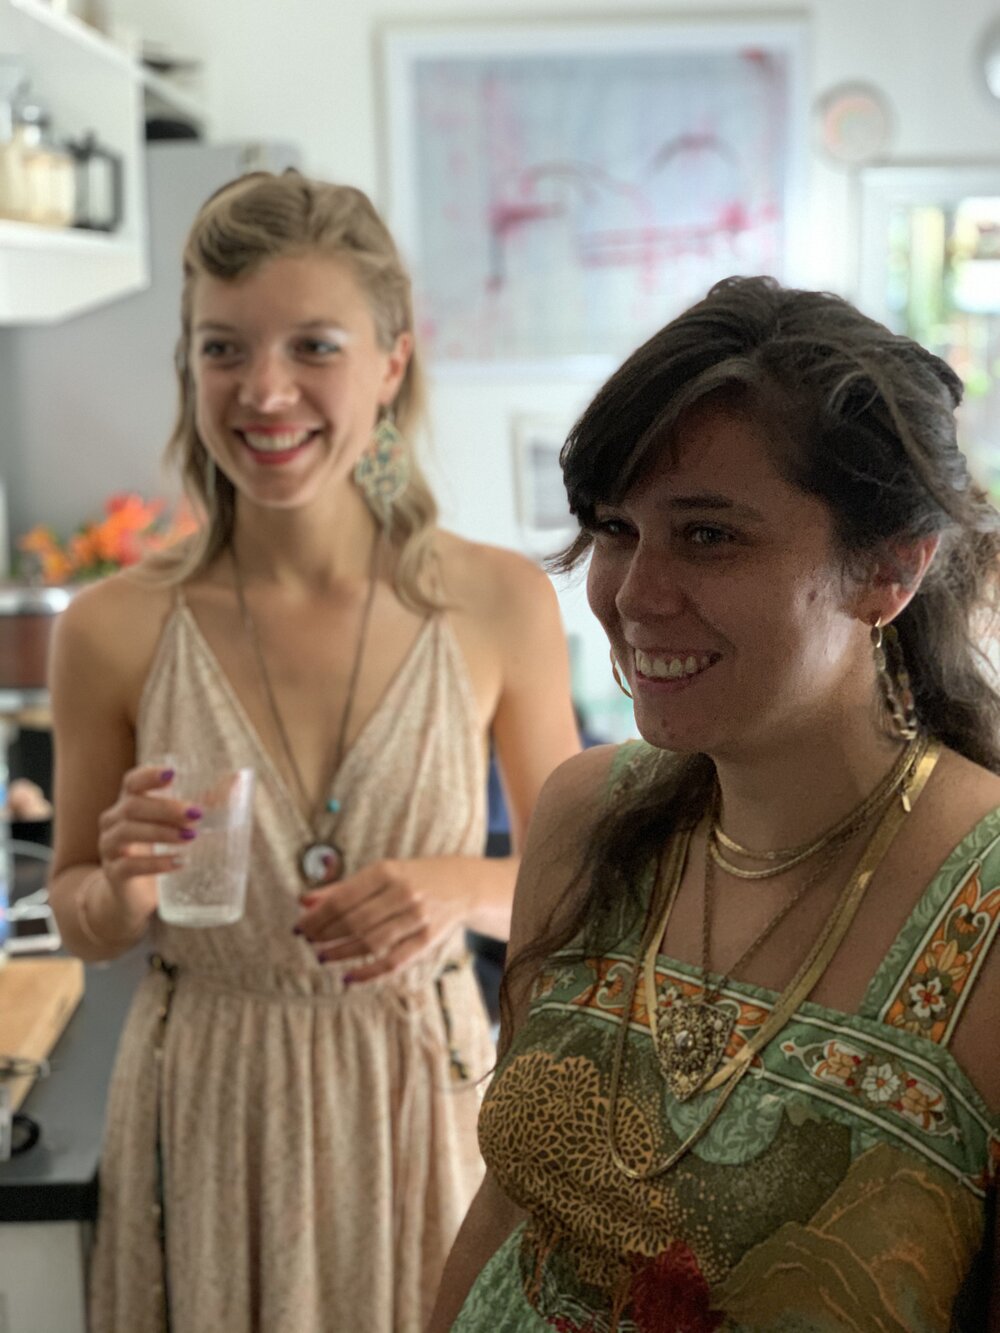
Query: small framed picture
point(542, 507)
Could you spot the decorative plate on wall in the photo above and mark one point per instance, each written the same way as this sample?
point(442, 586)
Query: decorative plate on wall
point(855, 123)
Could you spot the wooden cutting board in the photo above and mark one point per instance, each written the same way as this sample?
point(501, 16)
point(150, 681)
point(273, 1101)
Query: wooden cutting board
point(37, 999)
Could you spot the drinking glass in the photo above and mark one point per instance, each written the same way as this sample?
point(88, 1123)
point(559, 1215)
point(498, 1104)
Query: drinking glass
point(210, 888)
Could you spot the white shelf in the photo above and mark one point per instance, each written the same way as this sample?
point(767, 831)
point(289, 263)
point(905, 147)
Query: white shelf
point(64, 240)
point(163, 92)
point(88, 83)
point(74, 30)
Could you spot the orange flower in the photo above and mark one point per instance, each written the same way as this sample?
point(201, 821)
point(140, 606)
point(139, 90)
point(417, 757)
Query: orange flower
point(130, 529)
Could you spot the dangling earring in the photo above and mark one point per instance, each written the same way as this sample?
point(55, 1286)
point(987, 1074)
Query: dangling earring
point(894, 680)
point(618, 678)
point(382, 473)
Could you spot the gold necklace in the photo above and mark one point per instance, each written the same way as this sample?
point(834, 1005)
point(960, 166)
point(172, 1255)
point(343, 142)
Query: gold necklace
point(692, 1032)
point(729, 1075)
point(321, 859)
point(841, 832)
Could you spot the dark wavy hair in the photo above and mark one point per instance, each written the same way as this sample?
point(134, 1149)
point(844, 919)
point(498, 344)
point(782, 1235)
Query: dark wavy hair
point(862, 419)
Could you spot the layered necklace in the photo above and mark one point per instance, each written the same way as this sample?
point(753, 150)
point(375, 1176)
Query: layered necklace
point(691, 1033)
point(321, 859)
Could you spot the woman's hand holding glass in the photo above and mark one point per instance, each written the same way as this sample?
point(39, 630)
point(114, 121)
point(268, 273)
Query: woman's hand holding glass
point(390, 910)
point(142, 836)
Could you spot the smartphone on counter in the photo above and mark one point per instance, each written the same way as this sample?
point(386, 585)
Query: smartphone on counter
point(32, 929)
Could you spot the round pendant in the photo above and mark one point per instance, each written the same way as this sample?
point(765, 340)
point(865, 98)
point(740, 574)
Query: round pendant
point(321, 863)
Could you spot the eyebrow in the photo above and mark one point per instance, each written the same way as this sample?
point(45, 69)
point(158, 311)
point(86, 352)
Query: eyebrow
point(711, 500)
point(210, 324)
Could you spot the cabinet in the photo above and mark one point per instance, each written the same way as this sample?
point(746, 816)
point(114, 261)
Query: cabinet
point(46, 273)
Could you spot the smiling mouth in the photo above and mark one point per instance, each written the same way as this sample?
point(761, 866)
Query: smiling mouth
point(276, 442)
point(673, 666)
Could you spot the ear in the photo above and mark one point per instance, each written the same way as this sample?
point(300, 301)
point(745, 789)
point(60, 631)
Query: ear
point(395, 367)
point(896, 578)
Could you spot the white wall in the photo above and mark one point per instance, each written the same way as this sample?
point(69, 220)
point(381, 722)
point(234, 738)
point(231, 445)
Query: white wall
point(310, 73)
point(306, 71)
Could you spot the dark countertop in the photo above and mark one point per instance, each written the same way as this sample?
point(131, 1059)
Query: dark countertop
point(56, 1180)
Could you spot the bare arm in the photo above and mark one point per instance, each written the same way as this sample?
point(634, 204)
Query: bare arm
point(566, 808)
point(102, 888)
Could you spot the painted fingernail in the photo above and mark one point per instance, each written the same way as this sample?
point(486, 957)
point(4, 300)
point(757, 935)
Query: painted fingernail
point(188, 833)
point(297, 930)
point(349, 979)
point(166, 774)
point(192, 812)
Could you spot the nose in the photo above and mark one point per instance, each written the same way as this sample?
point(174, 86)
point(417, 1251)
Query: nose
point(267, 382)
point(652, 587)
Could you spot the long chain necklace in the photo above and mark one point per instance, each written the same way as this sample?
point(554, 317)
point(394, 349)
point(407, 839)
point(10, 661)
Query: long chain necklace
point(785, 859)
point(728, 1076)
point(321, 858)
point(692, 1032)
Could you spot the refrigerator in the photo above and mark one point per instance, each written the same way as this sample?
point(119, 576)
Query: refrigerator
point(88, 404)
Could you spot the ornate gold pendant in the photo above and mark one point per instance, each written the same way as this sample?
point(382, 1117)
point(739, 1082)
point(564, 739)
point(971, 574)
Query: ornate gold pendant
point(691, 1040)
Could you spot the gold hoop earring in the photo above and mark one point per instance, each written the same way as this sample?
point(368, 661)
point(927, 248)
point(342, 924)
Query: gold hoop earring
point(382, 473)
point(894, 680)
point(617, 675)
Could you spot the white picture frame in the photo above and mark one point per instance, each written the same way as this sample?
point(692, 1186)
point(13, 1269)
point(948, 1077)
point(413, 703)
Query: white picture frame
point(561, 189)
point(543, 515)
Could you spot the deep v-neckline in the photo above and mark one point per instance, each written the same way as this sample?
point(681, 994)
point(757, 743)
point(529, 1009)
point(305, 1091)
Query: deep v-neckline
point(399, 681)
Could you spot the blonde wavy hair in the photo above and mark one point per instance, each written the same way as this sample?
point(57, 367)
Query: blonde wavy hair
point(262, 216)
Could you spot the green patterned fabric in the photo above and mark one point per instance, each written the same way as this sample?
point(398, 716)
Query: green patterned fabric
point(844, 1186)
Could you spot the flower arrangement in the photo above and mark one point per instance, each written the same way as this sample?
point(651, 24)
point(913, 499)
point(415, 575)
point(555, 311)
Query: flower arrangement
point(130, 529)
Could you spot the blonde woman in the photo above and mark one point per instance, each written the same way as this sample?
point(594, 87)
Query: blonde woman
point(291, 1132)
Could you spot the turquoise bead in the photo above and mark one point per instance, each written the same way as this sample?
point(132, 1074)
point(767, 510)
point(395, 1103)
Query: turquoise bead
point(333, 806)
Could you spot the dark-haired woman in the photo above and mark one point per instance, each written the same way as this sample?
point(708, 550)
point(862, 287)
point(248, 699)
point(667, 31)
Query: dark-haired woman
point(750, 1075)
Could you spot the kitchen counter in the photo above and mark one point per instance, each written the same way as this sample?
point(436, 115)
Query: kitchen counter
point(56, 1180)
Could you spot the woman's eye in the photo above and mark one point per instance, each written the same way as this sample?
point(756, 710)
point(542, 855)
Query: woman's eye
point(608, 526)
point(215, 349)
point(707, 534)
point(318, 347)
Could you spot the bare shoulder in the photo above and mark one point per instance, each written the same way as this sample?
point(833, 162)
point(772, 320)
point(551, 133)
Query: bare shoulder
point(110, 630)
point(570, 803)
point(490, 581)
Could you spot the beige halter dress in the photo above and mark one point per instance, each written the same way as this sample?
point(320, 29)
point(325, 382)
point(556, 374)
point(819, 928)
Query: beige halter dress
point(283, 1152)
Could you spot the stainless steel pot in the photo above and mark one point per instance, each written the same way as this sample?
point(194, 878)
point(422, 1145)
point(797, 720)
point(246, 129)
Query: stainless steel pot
point(27, 615)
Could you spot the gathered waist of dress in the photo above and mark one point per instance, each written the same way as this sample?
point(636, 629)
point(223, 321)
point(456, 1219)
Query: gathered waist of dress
point(321, 983)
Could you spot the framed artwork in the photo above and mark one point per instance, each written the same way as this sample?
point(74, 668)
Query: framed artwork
point(561, 190)
point(543, 514)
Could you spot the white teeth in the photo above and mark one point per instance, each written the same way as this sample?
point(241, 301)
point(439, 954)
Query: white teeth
point(276, 444)
point(671, 668)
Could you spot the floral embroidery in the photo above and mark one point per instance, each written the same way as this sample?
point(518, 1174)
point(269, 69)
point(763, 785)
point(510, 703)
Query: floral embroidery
point(547, 982)
point(883, 1083)
point(930, 995)
point(880, 1083)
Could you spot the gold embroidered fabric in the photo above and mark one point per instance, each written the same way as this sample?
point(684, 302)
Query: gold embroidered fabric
point(318, 1155)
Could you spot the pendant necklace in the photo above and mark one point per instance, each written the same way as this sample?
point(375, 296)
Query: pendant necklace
point(692, 1032)
point(723, 1078)
point(321, 859)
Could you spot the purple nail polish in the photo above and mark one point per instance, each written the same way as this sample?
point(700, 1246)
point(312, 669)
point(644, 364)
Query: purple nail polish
point(188, 833)
point(349, 979)
point(166, 775)
point(192, 812)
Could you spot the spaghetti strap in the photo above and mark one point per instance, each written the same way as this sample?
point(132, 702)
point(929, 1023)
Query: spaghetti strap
point(928, 975)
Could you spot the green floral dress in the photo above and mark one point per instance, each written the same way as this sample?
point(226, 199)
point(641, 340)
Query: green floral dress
point(845, 1185)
